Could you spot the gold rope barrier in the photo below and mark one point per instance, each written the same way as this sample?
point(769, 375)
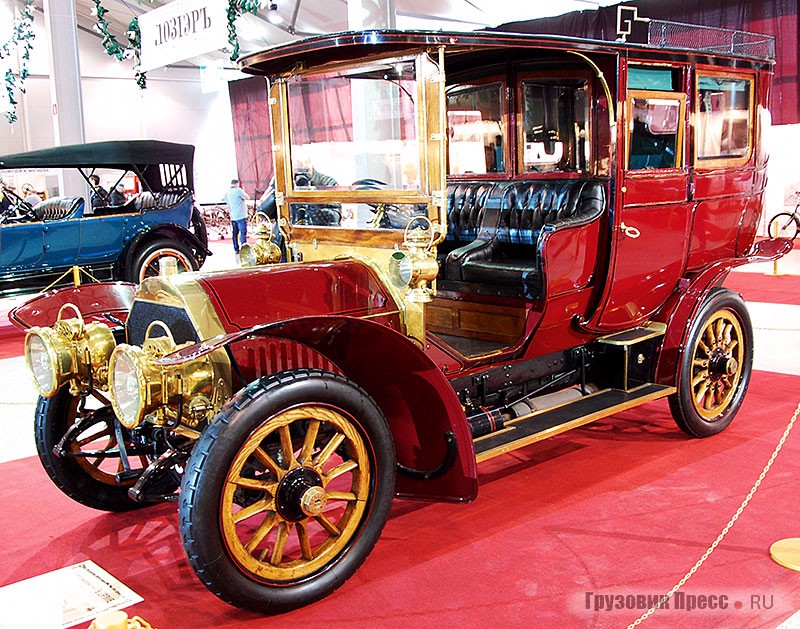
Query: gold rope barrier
point(725, 530)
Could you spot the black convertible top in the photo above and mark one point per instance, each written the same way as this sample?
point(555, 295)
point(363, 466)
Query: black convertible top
point(134, 155)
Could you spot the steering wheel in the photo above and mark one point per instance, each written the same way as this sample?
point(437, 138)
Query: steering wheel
point(18, 211)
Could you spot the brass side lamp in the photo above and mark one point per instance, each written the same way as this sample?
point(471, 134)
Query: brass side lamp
point(417, 266)
point(263, 251)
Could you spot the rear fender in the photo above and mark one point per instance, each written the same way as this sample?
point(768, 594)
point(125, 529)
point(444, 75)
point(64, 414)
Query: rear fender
point(681, 308)
point(167, 231)
point(417, 400)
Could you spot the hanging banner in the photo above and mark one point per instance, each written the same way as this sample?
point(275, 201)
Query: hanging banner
point(182, 29)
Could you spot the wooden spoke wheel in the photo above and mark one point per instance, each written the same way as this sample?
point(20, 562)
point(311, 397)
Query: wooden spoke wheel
point(88, 461)
point(295, 493)
point(716, 366)
point(287, 491)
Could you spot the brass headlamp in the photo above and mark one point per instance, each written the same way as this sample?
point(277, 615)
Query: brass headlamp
point(142, 389)
point(263, 251)
point(417, 266)
point(69, 351)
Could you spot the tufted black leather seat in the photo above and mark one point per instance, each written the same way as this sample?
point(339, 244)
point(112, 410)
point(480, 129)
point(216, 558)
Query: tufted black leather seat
point(505, 251)
point(147, 200)
point(466, 203)
point(57, 208)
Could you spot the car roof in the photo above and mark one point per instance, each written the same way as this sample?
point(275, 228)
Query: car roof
point(355, 45)
point(134, 155)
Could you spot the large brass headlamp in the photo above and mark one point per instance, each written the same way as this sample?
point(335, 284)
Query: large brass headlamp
point(264, 250)
point(69, 351)
point(417, 266)
point(142, 389)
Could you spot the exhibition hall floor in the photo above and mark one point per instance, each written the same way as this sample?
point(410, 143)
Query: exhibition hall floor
point(586, 529)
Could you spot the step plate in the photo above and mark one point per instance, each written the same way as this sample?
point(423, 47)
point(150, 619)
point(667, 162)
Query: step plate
point(532, 428)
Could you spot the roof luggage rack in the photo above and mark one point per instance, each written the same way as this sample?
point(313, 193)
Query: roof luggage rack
point(665, 34)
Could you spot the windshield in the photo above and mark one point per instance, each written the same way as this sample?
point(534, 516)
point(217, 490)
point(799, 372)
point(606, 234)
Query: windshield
point(356, 130)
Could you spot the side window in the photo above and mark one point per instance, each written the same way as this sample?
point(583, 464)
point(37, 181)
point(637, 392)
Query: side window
point(476, 129)
point(655, 124)
point(724, 117)
point(555, 124)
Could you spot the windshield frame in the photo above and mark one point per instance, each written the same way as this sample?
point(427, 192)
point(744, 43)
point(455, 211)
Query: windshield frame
point(429, 121)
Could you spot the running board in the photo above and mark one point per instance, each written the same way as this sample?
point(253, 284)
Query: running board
point(528, 429)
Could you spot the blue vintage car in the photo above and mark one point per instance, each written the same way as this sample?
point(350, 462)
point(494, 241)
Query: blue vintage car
point(40, 243)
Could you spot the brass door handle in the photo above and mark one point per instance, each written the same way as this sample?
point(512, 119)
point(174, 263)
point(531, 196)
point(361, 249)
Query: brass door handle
point(630, 232)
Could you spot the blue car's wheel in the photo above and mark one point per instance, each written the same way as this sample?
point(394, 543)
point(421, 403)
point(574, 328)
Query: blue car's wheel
point(146, 261)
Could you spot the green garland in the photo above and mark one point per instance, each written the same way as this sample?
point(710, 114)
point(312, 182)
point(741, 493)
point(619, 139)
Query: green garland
point(23, 35)
point(112, 46)
point(235, 9)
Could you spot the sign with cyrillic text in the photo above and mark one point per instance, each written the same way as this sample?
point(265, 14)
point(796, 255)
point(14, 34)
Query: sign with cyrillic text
point(182, 29)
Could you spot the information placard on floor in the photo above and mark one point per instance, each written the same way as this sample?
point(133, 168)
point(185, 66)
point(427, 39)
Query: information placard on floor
point(63, 598)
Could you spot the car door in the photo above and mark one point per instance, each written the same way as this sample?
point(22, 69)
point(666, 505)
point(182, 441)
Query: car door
point(653, 213)
point(21, 246)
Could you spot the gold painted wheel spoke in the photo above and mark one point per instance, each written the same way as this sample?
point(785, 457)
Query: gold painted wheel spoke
point(287, 447)
point(341, 495)
point(703, 347)
point(329, 449)
point(94, 437)
point(261, 532)
point(251, 510)
point(305, 543)
point(259, 485)
point(309, 442)
point(340, 469)
point(280, 543)
point(700, 393)
point(267, 461)
point(328, 525)
point(703, 375)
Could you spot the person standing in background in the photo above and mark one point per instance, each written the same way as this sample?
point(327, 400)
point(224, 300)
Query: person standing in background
point(236, 199)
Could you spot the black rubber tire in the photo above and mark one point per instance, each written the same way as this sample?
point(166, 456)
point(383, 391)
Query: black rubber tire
point(719, 304)
point(784, 225)
point(201, 231)
point(53, 416)
point(145, 258)
point(201, 502)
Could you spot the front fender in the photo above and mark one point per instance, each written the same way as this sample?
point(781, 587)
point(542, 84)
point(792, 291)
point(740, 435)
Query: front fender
point(416, 398)
point(93, 300)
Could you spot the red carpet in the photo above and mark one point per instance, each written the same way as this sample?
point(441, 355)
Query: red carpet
point(623, 507)
point(771, 289)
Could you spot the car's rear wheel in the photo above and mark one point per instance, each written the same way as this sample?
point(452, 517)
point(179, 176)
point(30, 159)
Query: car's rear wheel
point(287, 491)
point(146, 260)
point(86, 469)
point(715, 367)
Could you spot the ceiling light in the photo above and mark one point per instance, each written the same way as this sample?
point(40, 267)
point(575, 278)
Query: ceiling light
point(273, 16)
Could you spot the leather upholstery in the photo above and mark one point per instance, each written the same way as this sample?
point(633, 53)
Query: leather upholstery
point(147, 200)
point(505, 251)
point(57, 208)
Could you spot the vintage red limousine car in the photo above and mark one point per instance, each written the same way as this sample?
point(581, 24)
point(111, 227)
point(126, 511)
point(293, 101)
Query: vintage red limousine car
point(491, 239)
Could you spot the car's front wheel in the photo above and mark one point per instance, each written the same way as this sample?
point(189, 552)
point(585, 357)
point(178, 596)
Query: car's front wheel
point(715, 367)
point(79, 449)
point(287, 491)
point(146, 260)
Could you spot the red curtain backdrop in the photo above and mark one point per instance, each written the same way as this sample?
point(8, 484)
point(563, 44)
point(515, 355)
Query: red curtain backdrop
point(773, 17)
point(252, 133)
